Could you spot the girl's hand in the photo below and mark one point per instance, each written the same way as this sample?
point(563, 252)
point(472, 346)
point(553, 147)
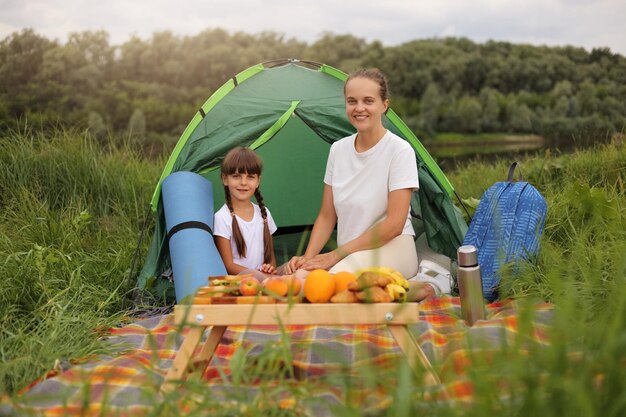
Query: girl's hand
point(267, 269)
point(321, 261)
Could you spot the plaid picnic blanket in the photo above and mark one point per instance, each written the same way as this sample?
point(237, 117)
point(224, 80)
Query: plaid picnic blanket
point(306, 370)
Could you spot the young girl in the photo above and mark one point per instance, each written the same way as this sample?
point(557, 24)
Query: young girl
point(243, 230)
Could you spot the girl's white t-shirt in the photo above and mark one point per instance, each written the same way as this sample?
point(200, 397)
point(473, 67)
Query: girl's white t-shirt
point(251, 231)
point(361, 182)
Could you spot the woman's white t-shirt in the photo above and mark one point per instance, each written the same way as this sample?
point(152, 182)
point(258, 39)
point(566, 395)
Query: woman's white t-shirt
point(251, 231)
point(361, 182)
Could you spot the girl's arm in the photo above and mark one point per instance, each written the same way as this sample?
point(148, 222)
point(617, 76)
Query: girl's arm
point(375, 237)
point(271, 267)
point(223, 247)
point(322, 230)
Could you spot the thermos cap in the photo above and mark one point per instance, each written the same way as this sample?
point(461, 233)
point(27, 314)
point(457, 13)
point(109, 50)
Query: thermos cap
point(467, 255)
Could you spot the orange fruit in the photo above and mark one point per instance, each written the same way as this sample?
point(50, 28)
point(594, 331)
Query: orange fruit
point(342, 279)
point(319, 286)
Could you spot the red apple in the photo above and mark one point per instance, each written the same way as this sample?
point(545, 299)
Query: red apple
point(249, 286)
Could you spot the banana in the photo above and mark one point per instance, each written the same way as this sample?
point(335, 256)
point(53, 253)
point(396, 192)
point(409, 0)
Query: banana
point(400, 280)
point(394, 275)
point(396, 291)
point(391, 292)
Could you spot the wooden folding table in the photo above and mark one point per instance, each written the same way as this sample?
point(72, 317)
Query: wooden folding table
point(219, 316)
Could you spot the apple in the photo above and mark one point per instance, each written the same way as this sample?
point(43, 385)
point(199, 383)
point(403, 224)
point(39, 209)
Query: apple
point(249, 286)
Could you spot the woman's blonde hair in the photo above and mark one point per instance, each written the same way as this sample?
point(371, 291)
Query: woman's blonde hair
point(245, 161)
point(373, 74)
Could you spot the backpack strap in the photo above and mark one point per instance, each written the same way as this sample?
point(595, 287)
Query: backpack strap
point(512, 171)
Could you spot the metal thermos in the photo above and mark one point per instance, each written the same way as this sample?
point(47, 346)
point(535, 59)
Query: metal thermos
point(470, 285)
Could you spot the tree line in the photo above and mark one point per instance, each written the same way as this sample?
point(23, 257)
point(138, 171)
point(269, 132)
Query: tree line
point(148, 89)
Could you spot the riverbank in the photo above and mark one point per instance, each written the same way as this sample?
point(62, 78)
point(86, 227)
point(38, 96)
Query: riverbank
point(456, 139)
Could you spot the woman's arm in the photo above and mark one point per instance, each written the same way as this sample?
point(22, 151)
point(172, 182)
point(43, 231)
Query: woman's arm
point(375, 237)
point(324, 224)
point(322, 230)
point(223, 247)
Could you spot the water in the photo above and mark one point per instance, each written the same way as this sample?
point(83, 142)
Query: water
point(453, 155)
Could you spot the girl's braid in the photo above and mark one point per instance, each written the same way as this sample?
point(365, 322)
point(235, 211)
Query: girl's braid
point(240, 243)
point(268, 244)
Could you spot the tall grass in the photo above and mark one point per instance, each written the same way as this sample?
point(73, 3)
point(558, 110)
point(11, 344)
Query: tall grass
point(70, 213)
point(68, 227)
point(582, 270)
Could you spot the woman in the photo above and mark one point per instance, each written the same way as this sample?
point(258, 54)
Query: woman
point(369, 179)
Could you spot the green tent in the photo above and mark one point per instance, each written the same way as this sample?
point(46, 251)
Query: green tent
point(289, 112)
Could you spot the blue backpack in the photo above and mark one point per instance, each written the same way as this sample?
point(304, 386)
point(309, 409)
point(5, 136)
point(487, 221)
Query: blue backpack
point(506, 227)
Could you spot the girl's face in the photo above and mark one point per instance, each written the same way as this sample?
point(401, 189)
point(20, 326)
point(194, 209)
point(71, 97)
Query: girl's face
point(241, 185)
point(364, 105)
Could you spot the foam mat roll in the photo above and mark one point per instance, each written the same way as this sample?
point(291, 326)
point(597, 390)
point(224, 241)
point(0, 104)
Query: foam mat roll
point(188, 204)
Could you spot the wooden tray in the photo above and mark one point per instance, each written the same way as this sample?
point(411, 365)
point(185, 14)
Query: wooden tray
point(231, 299)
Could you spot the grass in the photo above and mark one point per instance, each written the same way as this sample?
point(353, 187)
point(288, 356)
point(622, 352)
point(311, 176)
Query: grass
point(71, 209)
point(69, 221)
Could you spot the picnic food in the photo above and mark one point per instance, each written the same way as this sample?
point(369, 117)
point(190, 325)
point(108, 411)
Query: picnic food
point(345, 296)
point(368, 285)
point(369, 279)
point(276, 286)
point(342, 279)
point(374, 285)
point(223, 285)
point(249, 286)
point(319, 286)
point(374, 294)
point(230, 289)
point(294, 284)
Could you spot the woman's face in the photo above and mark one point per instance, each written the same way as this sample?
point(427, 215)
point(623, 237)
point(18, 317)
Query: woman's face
point(364, 105)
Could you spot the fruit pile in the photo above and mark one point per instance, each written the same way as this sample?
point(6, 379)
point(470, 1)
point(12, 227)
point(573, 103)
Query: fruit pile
point(370, 285)
point(249, 285)
point(373, 285)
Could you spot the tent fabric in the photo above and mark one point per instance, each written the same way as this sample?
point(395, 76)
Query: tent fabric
point(289, 112)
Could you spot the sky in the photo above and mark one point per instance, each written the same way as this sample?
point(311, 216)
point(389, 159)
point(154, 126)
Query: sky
point(584, 23)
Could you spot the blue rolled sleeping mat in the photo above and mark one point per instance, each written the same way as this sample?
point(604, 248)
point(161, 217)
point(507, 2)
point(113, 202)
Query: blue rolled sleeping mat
point(188, 207)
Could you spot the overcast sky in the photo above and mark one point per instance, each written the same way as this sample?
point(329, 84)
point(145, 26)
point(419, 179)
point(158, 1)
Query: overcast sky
point(585, 23)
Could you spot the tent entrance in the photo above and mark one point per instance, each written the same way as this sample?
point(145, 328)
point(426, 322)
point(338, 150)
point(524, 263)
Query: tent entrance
point(294, 164)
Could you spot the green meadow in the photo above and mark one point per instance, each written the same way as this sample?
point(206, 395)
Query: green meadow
point(72, 206)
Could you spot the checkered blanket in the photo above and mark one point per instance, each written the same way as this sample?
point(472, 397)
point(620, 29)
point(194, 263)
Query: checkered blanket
point(305, 370)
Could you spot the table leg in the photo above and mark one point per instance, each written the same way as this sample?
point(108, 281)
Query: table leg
point(413, 352)
point(212, 341)
point(181, 361)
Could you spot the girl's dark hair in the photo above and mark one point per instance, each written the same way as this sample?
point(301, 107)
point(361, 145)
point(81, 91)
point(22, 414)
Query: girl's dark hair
point(246, 161)
point(373, 74)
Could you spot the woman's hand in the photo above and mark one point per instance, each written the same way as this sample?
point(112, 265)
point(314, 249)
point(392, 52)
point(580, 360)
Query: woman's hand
point(267, 269)
point(321, 261)
point(294, 264)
